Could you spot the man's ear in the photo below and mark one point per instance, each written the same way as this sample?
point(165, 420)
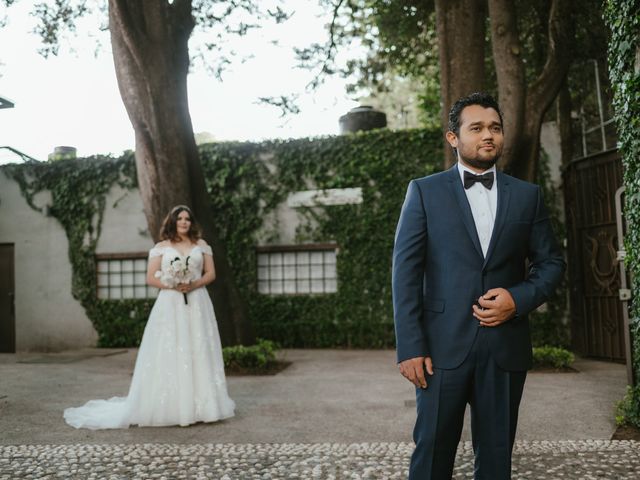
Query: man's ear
point(452, 138)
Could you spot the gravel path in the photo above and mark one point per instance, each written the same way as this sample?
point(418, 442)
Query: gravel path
point(304, 423)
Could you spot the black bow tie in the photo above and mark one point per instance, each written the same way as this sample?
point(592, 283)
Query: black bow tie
point(485, 179)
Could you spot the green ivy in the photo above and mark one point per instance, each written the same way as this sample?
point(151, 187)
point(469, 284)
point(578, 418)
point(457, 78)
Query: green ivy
point(246, 181)
point(382, 162)
point(78, 190)
point(624, 69)
point(548, 327)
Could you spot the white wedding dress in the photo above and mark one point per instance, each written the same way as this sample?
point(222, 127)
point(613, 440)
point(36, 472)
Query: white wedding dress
point(179, 373)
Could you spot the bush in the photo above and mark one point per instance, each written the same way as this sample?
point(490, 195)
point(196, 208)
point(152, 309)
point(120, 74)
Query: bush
point(628, 409)
point(552, 357)
point(256, 357)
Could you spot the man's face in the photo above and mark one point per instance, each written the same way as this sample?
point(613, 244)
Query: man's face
point(480, 140)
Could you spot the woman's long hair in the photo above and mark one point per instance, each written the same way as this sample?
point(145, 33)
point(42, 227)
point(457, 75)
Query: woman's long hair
point(169, 229)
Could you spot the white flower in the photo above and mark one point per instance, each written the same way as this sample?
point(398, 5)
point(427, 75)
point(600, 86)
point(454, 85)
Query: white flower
point(178, 271)
point(177, 265)
point(166, 278)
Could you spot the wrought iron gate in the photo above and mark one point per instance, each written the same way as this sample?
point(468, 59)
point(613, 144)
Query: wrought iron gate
point(597, 325)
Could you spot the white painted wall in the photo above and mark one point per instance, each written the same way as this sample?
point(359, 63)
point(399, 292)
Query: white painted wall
point(280, 225)
point(552, 145)
point(124, 226)
point(48, 318)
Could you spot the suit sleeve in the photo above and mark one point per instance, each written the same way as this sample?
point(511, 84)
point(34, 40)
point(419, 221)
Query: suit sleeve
point(407, 276)
point(546, 266)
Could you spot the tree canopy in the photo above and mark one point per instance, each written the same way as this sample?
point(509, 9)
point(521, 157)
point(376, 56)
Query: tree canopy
point(525, 48)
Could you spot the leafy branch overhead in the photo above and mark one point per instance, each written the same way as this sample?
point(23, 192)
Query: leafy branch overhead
point(215, 22)
point(520, 51)
point(389, 34)
point(286, 104)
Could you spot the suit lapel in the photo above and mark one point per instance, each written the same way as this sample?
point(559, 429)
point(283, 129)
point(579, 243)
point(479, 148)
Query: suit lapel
point(501, 212)
point(457, 190)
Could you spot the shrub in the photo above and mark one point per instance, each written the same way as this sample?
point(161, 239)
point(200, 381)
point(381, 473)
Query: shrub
point(552, 357)
point(252, 358)
point(627, 412)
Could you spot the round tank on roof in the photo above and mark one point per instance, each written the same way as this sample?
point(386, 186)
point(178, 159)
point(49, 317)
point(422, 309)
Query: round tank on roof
point(361, 119)
point(63, 153)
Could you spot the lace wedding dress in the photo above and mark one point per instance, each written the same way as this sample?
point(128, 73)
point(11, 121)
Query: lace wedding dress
point(179, 373)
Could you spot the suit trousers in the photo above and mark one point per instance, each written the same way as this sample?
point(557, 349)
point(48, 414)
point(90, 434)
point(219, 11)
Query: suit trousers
point(494, 396)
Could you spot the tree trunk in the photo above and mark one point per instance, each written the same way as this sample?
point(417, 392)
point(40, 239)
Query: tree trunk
point(151, 56)
point(507, 57)
point(460, 30)
point(524, 107)
point(563, 114)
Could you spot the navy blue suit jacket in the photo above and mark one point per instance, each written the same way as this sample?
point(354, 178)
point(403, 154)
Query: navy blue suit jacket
point(439, 269)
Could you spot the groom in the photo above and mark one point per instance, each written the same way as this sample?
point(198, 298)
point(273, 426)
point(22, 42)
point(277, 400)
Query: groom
point(474, 254)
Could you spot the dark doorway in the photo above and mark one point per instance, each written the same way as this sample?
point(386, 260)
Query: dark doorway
point(597, 323)
point(7, 297)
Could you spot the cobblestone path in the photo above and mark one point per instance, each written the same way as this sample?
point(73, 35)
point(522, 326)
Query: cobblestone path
point(579, 460)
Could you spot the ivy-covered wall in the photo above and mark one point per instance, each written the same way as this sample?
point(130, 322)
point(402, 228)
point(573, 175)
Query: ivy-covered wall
point(624, 67)
point(247, 181)
point(381, 163)
point(78, 190)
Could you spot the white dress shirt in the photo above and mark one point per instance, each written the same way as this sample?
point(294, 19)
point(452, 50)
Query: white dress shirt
point(483, 203)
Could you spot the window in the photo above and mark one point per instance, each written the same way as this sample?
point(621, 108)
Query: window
point(123, 275)
point(297, 269)
point(594, 116)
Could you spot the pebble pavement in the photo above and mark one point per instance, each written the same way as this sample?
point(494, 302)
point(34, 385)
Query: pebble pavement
point(533, 460)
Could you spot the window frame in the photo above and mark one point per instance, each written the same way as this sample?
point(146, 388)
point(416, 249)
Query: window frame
point(298, 248)
point(133, 256)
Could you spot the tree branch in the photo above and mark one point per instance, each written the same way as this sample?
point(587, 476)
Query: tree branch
point(330, 48)
point(133, 38)
point(546, 87)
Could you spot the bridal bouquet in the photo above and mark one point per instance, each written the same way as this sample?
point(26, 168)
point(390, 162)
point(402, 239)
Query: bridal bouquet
point(177, 272)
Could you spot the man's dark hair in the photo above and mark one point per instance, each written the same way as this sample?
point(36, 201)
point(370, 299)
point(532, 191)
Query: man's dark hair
point(478, 98)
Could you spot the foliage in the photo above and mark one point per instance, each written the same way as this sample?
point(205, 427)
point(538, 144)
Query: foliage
point(550, 326)
point(624, 67)
point(400, 40)
point(627, 411)
point(552, 357)
point(246, 181)
point(253, 358)
point(381, 163)
point(216, 22)
point(119, 323)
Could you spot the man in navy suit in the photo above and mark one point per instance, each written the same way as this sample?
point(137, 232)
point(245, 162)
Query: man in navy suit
point(474, 254)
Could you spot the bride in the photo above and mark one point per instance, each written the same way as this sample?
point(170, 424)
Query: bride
point(179, 373)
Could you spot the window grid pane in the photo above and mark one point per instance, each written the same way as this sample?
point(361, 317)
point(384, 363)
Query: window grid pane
point(297, 272)
point(122, 278)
